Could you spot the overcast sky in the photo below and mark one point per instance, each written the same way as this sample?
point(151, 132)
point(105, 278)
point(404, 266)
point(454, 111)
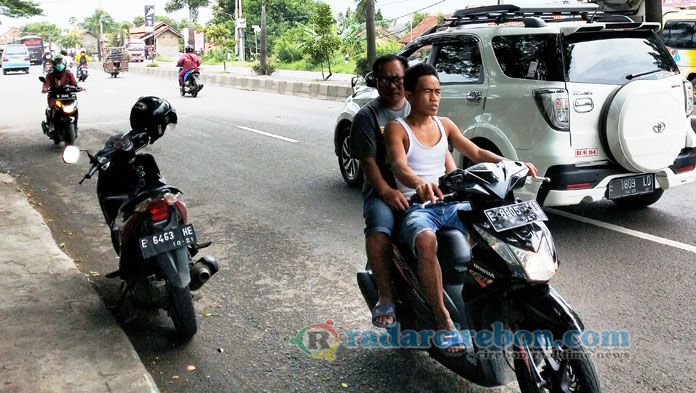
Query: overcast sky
point(58, 11)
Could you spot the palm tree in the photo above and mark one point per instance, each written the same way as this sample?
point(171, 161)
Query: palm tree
point(360, 6)
point(123, 30)
point(101, 22)
point(193, 6)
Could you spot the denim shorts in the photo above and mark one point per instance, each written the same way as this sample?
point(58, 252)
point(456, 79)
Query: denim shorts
point(379, 217)
point(434, 217)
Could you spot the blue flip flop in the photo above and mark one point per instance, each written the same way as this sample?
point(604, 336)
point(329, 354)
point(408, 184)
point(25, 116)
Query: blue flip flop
point(452, 339)
point(382, 310)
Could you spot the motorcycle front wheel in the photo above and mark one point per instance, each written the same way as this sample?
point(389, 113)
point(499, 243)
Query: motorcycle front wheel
point(70, 135)
point(566, 370)
point(182, 313)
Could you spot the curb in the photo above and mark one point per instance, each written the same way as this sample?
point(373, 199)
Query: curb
point(57, 334)
point(315, 90)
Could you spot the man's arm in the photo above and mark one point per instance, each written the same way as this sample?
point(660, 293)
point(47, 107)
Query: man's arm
point(180, 63)
point(46, 85)
point(469, 149)
point(395, 138)
point(450, 165)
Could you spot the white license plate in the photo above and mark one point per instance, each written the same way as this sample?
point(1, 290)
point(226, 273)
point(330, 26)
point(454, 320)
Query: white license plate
point(513, 216)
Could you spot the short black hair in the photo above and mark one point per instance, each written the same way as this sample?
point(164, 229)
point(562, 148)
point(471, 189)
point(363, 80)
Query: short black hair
point(64, 52)
point(415, 72)
point(386, 59)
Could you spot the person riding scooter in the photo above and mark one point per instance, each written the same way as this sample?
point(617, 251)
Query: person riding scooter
point(56, 78)
point(188, 61)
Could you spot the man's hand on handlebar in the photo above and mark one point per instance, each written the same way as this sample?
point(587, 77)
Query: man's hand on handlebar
point(532, 169)
point(395, 199)
point(429, 192)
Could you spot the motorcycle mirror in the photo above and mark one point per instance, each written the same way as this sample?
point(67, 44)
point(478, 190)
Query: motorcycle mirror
point(71, 154)
point(42, 79)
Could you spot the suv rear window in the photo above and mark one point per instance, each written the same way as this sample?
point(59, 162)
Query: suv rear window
point(609, 58)
point(606, 58)
point(679, 34)
point(15, 50)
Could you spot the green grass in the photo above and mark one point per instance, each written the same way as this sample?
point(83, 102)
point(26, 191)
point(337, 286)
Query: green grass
point(152, 65)
point(162, 58)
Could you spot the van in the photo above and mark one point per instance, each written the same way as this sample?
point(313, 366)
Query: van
point(15, 57)
point(678, 28)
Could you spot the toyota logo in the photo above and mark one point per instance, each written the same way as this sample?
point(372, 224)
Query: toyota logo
point(659, 128)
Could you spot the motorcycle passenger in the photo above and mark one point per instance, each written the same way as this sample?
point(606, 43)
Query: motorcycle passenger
point(416, 148)
point(56, 78)
point(381, 198)
point(188, 61)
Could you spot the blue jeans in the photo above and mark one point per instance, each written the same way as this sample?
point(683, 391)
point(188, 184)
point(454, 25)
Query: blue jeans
point(379, 217)
point(434, 217)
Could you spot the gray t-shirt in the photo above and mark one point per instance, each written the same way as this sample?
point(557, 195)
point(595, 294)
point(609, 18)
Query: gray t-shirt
point(367, 135)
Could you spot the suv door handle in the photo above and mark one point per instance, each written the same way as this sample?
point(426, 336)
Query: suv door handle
point(473, 97)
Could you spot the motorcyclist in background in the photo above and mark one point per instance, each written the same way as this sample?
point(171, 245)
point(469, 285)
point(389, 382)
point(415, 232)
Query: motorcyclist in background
point(188, 61)
point(82, 58)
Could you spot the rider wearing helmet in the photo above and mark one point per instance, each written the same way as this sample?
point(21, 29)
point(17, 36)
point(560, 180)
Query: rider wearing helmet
point(152, 115)
point(82, 58)
point(188, 61)
point(58, 77)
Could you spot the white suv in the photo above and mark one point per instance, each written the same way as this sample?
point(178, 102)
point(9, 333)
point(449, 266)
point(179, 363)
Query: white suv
point(595, 102)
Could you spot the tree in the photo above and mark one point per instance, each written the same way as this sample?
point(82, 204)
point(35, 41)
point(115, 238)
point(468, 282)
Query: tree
point(193, 6)
point(19, 8)
point(360, 7)
point(123, 32)
point(322, 41)
point(139, 20)
point(48, 31)
point(221, 37)
point(71, 40)
point(101, 22)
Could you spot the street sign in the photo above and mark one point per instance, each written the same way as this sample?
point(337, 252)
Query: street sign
point(149, 18)
point(241, 23)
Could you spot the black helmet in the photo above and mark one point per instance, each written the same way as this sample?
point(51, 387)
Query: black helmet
point(188, 48)
point(152, 115)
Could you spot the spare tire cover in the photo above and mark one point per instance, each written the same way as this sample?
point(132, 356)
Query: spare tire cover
point(646, 125)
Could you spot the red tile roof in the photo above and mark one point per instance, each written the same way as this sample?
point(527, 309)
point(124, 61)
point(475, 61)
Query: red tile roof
point(419, 29)
point(160, 27)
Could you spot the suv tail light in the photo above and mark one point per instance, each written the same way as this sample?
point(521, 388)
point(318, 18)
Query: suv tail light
point(689, 97)
point(26, 59)
point(553, 104)
point(5, 59)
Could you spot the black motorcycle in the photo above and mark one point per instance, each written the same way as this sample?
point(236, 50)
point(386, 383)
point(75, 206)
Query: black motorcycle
point(149, 230)
point(192, 84)
point(82, 73)
point(61, 118)
point(501, 282)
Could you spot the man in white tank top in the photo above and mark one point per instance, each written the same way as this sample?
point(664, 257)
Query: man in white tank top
point(416, 148)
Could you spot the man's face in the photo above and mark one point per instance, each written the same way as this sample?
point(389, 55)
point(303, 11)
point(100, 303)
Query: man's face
point(390, 82)
point(426, 97)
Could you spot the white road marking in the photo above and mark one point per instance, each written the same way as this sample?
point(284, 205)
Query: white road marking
point(626, 231)
point(282, 138)
point(110, 91)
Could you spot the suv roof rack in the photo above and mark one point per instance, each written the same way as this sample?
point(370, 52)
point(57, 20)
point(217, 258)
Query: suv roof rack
point(509, 12)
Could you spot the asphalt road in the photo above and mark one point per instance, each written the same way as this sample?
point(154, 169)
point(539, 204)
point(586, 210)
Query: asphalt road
point(288, 235)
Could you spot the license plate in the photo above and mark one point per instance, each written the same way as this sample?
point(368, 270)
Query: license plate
point(172, 239)
point(629, 186)
point(513, 216)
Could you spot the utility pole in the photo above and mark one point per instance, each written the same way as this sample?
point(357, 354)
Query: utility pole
point(239, 26)
point(370, 30)
point(263, 39)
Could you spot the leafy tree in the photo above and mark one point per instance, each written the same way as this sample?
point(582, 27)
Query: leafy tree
point(322, 42)
point(91, 23)
point(287, 46)
point(220, 36)
point(360, 10)
point(418, 17)
point(48, 31)
point(193, 6)
point(72, 39)
point(19, 8)
point(139, 20)
point(123, 28)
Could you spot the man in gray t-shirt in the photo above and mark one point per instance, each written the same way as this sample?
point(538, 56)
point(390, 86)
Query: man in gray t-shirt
point(381, 198)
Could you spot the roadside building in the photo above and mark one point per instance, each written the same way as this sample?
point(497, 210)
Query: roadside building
point(88, 41)
point(166, 39)
point(10, 36)
point(419, 29)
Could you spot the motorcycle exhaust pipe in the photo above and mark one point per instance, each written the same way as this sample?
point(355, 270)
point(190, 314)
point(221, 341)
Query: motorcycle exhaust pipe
point(201, 271)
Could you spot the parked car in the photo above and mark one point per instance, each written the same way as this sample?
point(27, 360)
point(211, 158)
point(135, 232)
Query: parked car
point(678, 27)
point(15, 57)
point(596, 102)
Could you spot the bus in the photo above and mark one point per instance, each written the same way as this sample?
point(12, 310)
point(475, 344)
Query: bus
point(35, 45)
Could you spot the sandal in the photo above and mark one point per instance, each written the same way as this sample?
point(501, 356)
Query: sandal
point(384, 310)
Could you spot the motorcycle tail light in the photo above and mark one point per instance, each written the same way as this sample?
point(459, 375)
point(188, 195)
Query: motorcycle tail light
point(159, 210)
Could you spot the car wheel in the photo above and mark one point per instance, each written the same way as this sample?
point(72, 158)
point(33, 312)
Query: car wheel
point(639, 201)
point(350, 167)
point(4, 72)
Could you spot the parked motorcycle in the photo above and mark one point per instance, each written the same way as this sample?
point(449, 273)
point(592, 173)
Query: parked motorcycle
point(82, 73)
point(61, 118)
point(192, 84)
point(148, 222)
point(502, 280)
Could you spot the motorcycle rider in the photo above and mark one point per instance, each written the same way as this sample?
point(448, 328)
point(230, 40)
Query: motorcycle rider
point(188, 61)
point(67, 60)
point(58, 77)
point(416, 148)
point(381, 198)
point(82, 58)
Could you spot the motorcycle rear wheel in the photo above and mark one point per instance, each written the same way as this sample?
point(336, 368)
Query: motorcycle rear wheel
point(575, 372)
point(182, 313)
point(194, 87)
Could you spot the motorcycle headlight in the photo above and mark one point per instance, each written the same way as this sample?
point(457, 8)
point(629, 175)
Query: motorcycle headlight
point(69, 108)
point(538, 265)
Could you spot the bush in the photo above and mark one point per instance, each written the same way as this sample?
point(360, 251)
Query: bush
point(270, 68)
point(152, 65)
point(387, 48)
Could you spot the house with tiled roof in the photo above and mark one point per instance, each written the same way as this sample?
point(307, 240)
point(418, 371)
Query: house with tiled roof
point(165, 38)
point(88, 40)
point(419, 29)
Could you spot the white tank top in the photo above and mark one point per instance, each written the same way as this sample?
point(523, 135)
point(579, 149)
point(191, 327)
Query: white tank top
point(428, 162)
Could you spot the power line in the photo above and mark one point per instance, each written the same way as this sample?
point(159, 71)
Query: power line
point(413, 12)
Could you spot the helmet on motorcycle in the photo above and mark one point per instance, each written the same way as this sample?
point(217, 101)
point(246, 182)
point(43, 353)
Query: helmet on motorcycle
point(152, 115)
point(189, 48)
point(82, 50)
